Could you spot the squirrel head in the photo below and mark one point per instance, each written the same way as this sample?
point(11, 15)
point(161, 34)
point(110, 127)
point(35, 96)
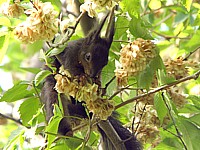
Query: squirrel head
point(94, 52)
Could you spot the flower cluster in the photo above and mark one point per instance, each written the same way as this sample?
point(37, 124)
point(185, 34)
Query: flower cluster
point(148, 126)
point(40, 25)
point(178, 68)
point(134, 58)
point(91, 5)
point(12, 10)
point(82, 89)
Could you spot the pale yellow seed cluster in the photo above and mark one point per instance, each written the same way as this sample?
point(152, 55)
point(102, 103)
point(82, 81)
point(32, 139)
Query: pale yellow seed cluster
point(82, 89)
point(134, 58)
point(42, 23)
point(176, 68)
point(148, 129)
point(179, 68)
point(102, 108)
point(92, 5)
point(12, 10)
point(103, 3)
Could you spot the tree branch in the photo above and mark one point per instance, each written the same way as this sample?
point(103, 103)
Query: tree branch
point(11, 118)
point(186, 58)
point(194, 76)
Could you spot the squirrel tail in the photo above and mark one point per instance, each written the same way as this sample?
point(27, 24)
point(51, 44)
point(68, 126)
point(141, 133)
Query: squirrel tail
point(127, 139)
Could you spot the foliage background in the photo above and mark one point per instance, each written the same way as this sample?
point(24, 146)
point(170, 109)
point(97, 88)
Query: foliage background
point(174, 27)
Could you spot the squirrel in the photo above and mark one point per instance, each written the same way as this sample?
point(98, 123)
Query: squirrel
point(84, 56)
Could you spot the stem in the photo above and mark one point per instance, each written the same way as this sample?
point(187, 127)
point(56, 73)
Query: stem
point(186, 58)
point(64, 40)
point(38, 95)
point(174, 122)
point(194, 76)
point(13, 119)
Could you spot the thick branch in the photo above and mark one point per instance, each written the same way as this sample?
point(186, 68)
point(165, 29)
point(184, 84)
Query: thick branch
point(194, 76)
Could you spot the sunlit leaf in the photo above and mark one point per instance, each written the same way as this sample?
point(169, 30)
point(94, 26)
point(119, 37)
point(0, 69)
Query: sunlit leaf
point(5, 21)
point(132, 6)
point(41, 76)
point(55, 51)
point(160, 106)
point(17, 92)
point(26, 113)
point(138, 29)
point(145, 77)
point(32, 70)
point(14, 138)
point(155, 4)
point(190, 134)
point(195, 119)
point(52, 127)
point(4, 42)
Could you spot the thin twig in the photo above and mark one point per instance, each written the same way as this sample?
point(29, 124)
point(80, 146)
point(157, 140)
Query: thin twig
point(11, 118)
point(155, 10)
point(38, 95)
point(87, 136)
point(62, 136)
point(174, 122)
point(109, 82)
point(186, 58)
point(194, 76)
point(121, 41)
point(119, 91)
point(141, 115)
point(145, 9)
point(64, 40)
point(164, 19)
point(167, 37)
point(170, 132)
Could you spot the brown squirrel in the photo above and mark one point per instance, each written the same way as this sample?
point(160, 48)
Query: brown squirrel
point(84, 56)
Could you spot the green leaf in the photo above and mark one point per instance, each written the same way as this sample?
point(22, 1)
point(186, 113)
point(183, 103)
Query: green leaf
point(121, 27)
point(180, 17)
point(160, 106)
point(193, 42)
point(73, 143)
point(138, 29)
point(41, 76)
point(4, 21)
point(163, 78)
point(53, 125)
point(55, 51)
point(132, 6)
point(26, 113)
point(15, 138)
point(146, 76)
point(190, 134)
point(155, 4)
point(107, 74)
point(4, 42)
point(32, 70)
point(195, 119)
point(188, 4)
point(17, 92)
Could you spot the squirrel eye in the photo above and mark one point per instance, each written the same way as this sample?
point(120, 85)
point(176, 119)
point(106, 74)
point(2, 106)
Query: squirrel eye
point(88, 57)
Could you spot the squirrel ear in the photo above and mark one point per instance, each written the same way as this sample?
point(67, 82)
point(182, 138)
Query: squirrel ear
point(95, 34)
point(111, 27)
